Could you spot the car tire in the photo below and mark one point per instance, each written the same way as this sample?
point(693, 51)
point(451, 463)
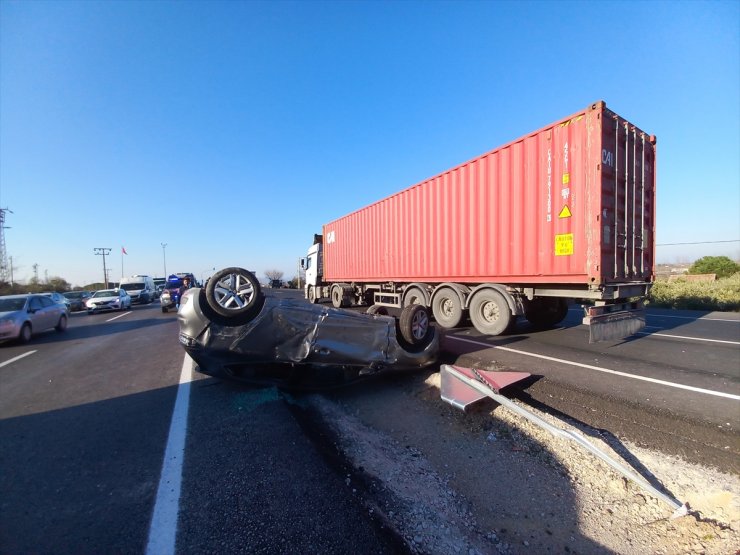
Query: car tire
point(164, 309)
point(62, 325)
point(414, 324)
point(25, 334)
point(234, 293)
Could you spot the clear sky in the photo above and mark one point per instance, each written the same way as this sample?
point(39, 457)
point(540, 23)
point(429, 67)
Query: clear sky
point(231, 131)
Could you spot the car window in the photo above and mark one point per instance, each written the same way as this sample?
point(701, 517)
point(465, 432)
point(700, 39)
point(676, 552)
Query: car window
point(35, 303)
point(46, 302)
point(10, 305)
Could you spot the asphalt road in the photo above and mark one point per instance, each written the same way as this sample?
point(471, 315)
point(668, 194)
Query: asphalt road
point(675, 386)
point(85, 421)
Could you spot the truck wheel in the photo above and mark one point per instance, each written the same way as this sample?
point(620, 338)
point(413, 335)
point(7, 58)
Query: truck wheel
point(377, 309)
point(414, 324)
point(545, 313)
point(311, 294)
point(337, 297)
point(233, 293)
point(447, 308)
point(490, 312)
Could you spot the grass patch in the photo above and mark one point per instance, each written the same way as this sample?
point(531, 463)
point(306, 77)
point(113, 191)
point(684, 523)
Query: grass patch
point(723, 294)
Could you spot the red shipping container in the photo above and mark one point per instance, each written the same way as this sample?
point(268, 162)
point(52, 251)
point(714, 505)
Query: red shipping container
point(572, 203)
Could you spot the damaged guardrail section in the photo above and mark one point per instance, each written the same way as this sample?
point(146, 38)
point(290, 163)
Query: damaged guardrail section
point(461, 387)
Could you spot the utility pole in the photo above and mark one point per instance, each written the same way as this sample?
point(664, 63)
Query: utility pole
point(3, 252)
point(11, 272)
point(164, 258)
point(103, 251)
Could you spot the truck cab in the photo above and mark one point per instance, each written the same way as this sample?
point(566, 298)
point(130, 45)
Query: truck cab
point(312, 266)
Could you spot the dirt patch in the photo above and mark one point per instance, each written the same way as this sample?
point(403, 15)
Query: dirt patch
point(488, 481)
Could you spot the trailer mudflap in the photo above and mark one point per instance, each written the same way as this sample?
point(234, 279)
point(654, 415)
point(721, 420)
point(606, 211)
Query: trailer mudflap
point(614, 321)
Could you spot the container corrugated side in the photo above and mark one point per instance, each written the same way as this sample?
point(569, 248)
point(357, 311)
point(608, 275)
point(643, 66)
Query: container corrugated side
point(547, 208)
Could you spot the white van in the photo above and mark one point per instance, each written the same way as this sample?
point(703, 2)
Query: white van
point(140, 288)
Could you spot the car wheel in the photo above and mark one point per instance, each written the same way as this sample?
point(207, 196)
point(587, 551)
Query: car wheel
point(164, 309)
point(490, 312)
point(377, 309)
point(414, 324)
point(447, 308)
point(233, 293)
point(62, 325)
point(25, 335)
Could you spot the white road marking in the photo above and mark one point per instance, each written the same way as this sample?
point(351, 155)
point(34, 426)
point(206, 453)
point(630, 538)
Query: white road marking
point(605, 370)
point(12, 360)
point(119, 316)
point(692, 318)
point(163, 528)
point(686, 337)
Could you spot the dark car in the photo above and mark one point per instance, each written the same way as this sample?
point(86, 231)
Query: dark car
point(77, 299)
point(232, 329)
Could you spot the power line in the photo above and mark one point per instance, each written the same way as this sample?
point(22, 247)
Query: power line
point(697, 243)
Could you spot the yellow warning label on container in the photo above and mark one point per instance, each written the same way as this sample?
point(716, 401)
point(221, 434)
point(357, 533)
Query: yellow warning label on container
point(566, 178)
point(565, 212)
point(564, 244)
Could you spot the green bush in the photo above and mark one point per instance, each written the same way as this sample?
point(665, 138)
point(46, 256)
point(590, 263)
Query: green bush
point(720, 265)
point(723, 294)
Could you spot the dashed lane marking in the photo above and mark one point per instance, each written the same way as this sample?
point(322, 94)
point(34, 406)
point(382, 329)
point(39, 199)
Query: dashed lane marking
point(12, 360)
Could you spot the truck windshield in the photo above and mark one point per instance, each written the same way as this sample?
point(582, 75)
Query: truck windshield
point(132, 286)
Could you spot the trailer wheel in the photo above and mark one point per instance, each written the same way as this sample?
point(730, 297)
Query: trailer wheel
point(414, 296)
point(312, 294)
point(234, 293)
point(377, 309)
point(414, 324)
point(490, 312)
point(447, 308)
point(545, 312)
point(337, 297)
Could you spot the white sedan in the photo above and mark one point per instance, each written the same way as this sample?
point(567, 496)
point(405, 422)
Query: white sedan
point(108, 299)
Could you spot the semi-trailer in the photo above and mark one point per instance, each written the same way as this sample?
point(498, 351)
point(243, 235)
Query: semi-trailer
point(562, 215)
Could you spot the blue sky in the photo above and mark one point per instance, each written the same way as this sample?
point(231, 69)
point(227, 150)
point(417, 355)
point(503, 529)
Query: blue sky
point(232, 131)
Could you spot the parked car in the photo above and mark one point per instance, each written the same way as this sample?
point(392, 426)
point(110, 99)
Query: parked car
point(60, 299)
point(108, 299)
point(77, 299)
point(21, 316)
point(233, 329)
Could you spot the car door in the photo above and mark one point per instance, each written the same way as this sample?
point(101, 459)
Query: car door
point(39, 315)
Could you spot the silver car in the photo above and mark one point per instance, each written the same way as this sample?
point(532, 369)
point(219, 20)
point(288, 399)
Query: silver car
point(232, 329)
point(59, 299)
point(21, 316)
point(108, 299)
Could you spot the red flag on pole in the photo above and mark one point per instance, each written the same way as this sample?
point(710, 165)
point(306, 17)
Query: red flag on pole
point(123, 251)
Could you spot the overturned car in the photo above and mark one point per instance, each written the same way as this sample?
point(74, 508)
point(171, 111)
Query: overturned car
point(233, 329)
